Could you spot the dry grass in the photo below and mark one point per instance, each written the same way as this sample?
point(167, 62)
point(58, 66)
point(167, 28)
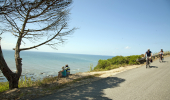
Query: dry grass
point(43, 87)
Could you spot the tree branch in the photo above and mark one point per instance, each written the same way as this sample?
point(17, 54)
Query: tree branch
point(43, 42)
point(42, 20)
point(42, 11)
point(15, 26)
point(52, 24)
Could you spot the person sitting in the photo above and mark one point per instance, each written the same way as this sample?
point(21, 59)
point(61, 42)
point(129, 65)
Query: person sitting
point(67, 69)
point(62, 73)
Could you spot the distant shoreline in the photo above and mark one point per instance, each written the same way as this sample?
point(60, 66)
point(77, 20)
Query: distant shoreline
point(49, 63)
point(61, 53)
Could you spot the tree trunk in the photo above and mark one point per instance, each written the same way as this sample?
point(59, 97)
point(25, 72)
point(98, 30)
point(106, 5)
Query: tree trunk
point(13, 82)
point(12, 78)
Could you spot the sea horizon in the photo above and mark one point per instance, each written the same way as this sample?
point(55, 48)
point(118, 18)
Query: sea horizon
point(59, 52)
point(42, 64)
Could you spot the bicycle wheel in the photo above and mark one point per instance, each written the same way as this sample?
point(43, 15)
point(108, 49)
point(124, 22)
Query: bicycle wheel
point(147, 63)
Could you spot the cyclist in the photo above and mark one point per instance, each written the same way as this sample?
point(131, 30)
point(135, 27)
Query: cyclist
point(161, 54)
point(149, 54)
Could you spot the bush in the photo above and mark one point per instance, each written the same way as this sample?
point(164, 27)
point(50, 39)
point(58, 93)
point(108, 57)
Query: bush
point(117, 61)
point(132, 59)
point(102, 64)
point(142, 55)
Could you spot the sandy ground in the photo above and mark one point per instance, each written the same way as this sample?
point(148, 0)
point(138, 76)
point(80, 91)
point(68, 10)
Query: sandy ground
point(34, 92)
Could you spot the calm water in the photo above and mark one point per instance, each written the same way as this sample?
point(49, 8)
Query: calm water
point(42, 64)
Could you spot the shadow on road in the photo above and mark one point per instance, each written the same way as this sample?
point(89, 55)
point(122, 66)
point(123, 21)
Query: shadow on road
point(92, 90)
point(164, 61)
point(153, 67)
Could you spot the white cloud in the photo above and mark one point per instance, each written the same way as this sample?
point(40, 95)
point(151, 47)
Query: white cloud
point(127, 47)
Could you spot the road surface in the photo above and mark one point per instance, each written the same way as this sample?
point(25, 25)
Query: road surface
point(135, 84)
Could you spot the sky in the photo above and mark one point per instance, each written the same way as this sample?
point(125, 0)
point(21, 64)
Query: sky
point(112, 27)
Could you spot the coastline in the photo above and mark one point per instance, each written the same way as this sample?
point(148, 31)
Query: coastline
point(39, 64)
point(64, 83)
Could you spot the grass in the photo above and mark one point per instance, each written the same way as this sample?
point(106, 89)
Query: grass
point(4, 86)
point(110, 67)
point(91, 67)
point(27, 82)
point(74, 81)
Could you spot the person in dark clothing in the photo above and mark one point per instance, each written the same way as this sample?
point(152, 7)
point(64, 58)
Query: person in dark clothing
point(149, 54)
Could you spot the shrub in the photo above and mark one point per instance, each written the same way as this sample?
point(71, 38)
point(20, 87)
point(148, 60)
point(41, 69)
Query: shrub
point(102, 64)
point(132, 59)
point(142, 55)
point(118, 60)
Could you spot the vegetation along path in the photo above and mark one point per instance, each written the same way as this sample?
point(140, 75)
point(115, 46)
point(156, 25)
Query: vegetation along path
point(136, 84)
point(30, 90)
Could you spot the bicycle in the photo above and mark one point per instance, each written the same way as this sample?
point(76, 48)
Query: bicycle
point(147, 62)
point(160, 58)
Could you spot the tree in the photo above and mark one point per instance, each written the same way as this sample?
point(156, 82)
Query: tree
point(32, 20)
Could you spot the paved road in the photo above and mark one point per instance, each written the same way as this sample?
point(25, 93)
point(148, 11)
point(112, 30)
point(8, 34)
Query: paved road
point(135, 84)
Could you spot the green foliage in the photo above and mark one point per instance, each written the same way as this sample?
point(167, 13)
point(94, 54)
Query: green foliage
point(116, 62)
point(91, 67)
point(4, 86)
point(142, 55)
point(26, 82)
point(132, 59)
point(102, 64)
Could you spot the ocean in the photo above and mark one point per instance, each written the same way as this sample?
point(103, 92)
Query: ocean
point(38, 65)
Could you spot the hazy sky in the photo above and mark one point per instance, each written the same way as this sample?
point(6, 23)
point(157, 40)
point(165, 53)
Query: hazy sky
point(113, 27)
